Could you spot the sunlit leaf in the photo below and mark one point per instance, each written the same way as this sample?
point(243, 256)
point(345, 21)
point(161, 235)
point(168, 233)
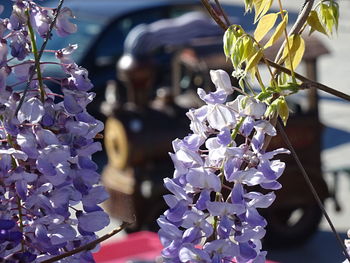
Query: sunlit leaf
point(261, 8)
point(282, 78)
point(230, 37)
point(278, 32)
point(335, 11)
point(271, 109)
point(297, 49)
point(237, 53)
point(248, 5)
point(248, 47)
point(327, 16)
point(265, 24)
point(254, 60)
point(314, 23)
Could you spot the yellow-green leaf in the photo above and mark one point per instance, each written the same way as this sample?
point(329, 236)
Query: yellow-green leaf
point(283, 110)
point(335, 11)
point(278, 32)
point(297, 49)
point(265, 24)
point(261, 8)
point(248, 5)
point(254, 60)
point(314, 23)
point(248, 47)
point(237, 52)
point(326, 13)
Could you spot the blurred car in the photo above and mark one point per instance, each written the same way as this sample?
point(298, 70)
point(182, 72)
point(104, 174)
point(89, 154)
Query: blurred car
point(103, 26)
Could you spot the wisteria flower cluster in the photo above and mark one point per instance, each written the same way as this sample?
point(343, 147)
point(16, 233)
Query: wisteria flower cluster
point(46, 145)
point(213, 202)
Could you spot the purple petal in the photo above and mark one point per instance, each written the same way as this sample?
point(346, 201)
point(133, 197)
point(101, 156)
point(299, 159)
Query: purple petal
point(63, 25)
point(32, 111)
point(96, 195)
point(189, 253)
point(246, 251)
point(94, 221)
point(71, 105)
point(224, 137)
point(221, 80)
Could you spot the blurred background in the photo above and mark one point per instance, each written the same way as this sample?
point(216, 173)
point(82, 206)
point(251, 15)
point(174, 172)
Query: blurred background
point(146, 58)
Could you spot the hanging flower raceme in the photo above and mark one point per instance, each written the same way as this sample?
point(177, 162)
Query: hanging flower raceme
point(213, 211)
point(46, 146)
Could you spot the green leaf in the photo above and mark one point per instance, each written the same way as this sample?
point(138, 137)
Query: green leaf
point(314, 23)
point(289, 88)
point(271, 109)
point(335, 11)
point(264, 95)
point(248, 5)
point(230, 38)
point(282, 78)
point(283, 110)
point(278, 32)
point(327, 17)
point(265, 24)
point(237, 53)
point(248, 47)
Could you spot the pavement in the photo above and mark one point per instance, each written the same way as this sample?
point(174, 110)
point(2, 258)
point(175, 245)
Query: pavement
point(334, 71)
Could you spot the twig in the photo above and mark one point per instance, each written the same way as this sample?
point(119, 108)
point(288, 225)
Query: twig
point(32, 70)
point(88, 246)
point(308, 83)
point(228, 23)
point(214, 15)
point(312, 188)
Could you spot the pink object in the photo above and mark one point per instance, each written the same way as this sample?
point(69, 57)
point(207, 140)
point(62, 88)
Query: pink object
point(141, 245)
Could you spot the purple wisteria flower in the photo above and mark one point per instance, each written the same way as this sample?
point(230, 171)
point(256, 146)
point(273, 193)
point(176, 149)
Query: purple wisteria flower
point(347, 244)
point(213, 211)
point(46, 146)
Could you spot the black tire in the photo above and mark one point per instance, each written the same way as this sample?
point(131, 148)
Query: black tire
point(284, 229)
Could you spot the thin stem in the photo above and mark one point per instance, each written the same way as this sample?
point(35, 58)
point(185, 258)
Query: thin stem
point(20, 217)
point(308, 83)
point(302, 17)
point(268, 138)
point(238, 126)
point(32, 72)
point(36, 57)
point(88, 246)
point(41, 63)
point(213, 14)
point(258, 77)
point(249, 87)
point(287, 41)
point(312, 188)
point(223, 12)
